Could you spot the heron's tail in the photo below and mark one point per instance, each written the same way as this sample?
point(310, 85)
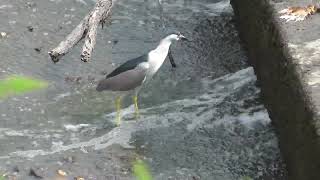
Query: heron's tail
point(102, 86)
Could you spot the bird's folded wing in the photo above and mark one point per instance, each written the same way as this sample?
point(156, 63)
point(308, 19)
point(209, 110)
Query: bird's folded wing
point(131, 64)
point(124, 81)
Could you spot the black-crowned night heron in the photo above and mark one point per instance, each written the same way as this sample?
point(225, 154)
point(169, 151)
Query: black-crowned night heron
point(135, 72)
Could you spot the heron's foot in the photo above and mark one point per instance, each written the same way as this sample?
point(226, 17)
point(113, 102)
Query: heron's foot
point(136, 108)
point(118, 108)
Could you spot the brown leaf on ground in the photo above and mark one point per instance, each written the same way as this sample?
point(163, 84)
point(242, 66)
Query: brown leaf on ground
point(61, 172)
point(302, 11)
point(298, 13)
point(79, 178)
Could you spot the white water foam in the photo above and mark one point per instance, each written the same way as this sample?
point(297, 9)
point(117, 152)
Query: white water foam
point(204, 108)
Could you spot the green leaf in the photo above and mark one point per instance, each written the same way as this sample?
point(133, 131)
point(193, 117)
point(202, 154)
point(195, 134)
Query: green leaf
point(16, 85)
point(141, 170)
point(246, 178)
point(2, 177)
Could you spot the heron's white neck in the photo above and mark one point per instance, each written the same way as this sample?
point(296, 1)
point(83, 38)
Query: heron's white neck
point(158, 55)
point(164, 45)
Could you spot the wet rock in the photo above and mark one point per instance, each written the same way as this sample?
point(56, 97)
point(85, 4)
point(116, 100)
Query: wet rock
point(78, 79)
point(104, 72)
point(195, 178)
point(91, 79)
point(70, 79)
point(15, 169)
point(35, 174)
point(31, 4)
point(82, 2)
point(69, 159)
point(30, 28)
point(38, 49)
point(100, 164)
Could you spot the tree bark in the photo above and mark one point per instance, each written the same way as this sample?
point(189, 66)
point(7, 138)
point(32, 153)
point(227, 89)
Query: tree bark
point(86, 29)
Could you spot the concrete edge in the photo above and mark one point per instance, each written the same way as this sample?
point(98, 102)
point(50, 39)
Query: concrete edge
point(283, 86)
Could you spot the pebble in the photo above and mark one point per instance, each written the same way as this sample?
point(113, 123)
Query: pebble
point(69, 159)
point(3, 34)
point(35, 174)
point(16, 169)
point(12, 22)
point(30, 28)
point(38, 49)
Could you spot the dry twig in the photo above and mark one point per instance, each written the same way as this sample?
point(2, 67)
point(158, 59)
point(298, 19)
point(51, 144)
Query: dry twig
point(86, 29)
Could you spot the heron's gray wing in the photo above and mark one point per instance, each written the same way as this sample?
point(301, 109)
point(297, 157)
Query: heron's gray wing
point(124, 81)
point(131, 64)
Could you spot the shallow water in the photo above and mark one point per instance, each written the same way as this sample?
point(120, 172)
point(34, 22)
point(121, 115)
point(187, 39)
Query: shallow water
point(202, 120)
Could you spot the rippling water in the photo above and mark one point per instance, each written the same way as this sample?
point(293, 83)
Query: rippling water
point(202, 120)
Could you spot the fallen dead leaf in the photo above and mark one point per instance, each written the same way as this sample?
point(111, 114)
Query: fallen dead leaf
point(79, 178)
point(61, 172)
point(298, 13)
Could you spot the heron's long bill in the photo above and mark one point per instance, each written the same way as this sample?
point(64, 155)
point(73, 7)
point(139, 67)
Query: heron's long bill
point(173, 64)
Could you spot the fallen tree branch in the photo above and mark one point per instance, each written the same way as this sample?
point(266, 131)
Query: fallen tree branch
point(86, 29)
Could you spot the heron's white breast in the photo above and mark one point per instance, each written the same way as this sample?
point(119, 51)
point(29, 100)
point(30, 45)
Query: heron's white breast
point(155, 60)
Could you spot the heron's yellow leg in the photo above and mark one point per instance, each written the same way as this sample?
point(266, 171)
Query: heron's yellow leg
point(118, 108)
point(136, 108)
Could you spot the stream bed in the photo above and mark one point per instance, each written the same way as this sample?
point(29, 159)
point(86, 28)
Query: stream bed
point(203, 120)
